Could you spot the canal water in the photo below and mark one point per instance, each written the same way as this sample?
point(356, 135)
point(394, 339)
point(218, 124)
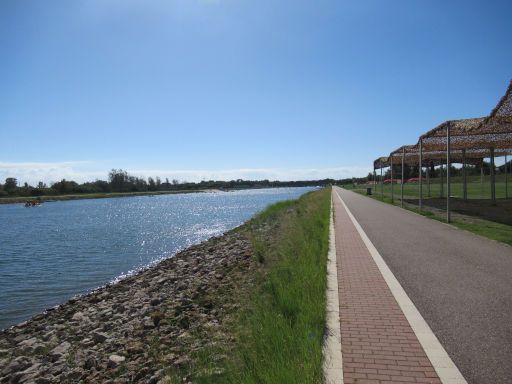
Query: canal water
point(60, 249)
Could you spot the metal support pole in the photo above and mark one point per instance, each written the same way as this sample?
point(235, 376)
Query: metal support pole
point(441, 181)
point(448, 189)
point(506, 178)
point(381, 183)
point(482, 180)
point(374, 180)
point(421, 173)
point(493, 180)
point(464, 178)
point(402, 185)
point(392, 194)
point(428, 181)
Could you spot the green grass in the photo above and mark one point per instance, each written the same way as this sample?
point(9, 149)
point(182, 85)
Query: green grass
point(495, 231)
point(492, 230)
point(278, 329)
point(280, 332)
point(476, 189)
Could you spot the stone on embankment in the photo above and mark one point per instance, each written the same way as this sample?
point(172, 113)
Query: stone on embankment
point(17, 365)
point(155, 301)
point(29, 345)
point(43, 380)
point(115, 360)
point(148, 323)
point(90, 363)
point(60, 350)
point(133, 331)
point(78, 316)
point(99, 337)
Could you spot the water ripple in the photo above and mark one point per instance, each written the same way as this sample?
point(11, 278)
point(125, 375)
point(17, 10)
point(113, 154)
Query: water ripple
point(53, 252)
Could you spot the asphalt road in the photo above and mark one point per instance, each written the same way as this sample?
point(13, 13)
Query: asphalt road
point(461, 283)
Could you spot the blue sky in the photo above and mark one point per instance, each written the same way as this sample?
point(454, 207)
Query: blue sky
point(200, 89)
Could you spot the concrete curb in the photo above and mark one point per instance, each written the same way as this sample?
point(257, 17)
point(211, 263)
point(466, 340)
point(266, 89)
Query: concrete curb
point(333, 361)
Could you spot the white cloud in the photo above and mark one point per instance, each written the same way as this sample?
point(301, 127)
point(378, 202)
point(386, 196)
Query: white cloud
point(81, 171)
point(284, 174)
point(33, 172)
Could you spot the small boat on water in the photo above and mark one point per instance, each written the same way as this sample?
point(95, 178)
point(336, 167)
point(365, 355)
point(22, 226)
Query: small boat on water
point(32, 203)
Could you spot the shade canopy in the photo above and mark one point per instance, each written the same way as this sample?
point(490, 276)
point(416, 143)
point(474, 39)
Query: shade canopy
point(470, 139)
point(493, 131)
point(435, 157)
point(466, 141)
point(381, 162)
point(499, 120)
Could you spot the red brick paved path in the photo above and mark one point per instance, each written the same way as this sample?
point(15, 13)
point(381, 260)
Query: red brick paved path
point(378, 344)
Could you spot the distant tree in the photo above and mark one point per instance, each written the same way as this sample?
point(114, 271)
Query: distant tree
point(101, 186)
point(37, 192)
point(65, 187)
point(118, 180)
point(151, 184)
point(11, 184)
point(41, 185)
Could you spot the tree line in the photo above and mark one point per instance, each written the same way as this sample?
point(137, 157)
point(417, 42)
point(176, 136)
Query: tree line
point(121, 181)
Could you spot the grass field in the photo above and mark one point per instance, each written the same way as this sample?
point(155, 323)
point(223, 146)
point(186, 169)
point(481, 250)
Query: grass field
point(476, 188)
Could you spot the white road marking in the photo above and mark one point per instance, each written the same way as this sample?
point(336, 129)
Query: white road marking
point(442, 363)
point(333, 361)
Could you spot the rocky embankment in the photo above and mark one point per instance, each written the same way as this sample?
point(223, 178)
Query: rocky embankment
point(142, 329)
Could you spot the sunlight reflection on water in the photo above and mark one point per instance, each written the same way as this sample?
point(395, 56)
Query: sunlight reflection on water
point(53, 252)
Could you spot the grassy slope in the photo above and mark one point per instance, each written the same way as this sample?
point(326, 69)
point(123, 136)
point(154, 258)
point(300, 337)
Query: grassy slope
point(486, 228)
point(281, 333)
point(278, 329)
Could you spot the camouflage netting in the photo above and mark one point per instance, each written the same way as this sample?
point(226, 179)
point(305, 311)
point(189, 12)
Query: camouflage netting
point(381, 162)
point(493, 131)
point(476, 136)
point(438, 157)
point(503, 109)
point(468, 134)
point(411, 155)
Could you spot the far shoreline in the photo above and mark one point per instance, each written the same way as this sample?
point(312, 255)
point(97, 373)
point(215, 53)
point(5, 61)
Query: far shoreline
point(53, 198)
point(106, 195)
